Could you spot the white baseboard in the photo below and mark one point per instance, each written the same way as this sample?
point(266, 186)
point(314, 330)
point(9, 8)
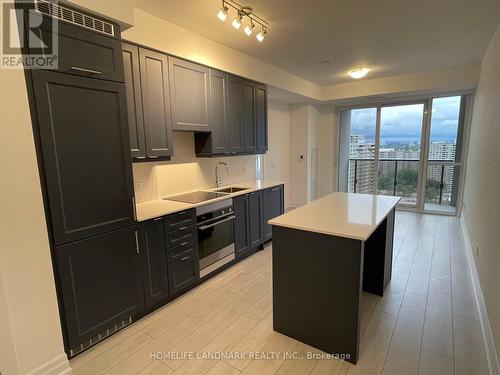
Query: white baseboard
point(489, 343)
point(56, 366)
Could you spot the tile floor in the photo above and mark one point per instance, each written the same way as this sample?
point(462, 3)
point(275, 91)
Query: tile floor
point(426, 323)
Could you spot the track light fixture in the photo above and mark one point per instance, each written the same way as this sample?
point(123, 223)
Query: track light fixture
point(242, 12)
point(260, 36)
point(249, 28)
point(222, 15)
point(237, 21)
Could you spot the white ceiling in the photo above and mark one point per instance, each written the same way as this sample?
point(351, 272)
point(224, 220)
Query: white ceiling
point(390, 37)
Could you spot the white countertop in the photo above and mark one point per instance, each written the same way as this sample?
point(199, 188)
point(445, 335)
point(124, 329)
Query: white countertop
point(160, 207)
point(347, 215)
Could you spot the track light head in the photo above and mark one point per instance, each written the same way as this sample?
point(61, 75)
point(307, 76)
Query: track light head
point(237, 21)
point(222, 15)
point(260, 36)
point(249, 28)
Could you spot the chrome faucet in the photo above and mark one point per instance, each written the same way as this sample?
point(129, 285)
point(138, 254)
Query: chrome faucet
point(218, 179)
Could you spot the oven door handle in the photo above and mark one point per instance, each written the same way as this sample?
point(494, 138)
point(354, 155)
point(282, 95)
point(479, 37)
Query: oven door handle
point(203, 227)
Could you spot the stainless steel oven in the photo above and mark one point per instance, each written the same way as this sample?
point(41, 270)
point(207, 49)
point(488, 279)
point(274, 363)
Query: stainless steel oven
point(215, 235)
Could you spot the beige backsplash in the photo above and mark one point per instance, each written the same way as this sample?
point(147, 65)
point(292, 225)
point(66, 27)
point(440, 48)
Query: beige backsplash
point(185, 172)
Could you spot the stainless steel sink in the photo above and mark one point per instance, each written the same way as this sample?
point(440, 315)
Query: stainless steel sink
point(230, 190)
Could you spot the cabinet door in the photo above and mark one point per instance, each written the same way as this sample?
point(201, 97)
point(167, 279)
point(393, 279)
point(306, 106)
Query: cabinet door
point(241, 225)
point(101, 285)
point(255, 208)
point(84, 52)
point(261, 117)
point(184, 272)
point(248, 116)
point(218, 102)
point(189, 90)
point(154, 261)
point(235, 114)
point(86, 154)
point(156, 103)
point(273, 207)
point(134, 100)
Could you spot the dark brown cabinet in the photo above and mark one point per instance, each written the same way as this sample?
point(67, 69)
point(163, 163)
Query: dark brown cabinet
point(156, 103)
point(256, 219)
point(189, 90)
point(84, 138)
point(261, 118)
point(215, 142)
point(273, 207)
point(101, 286)
point(86, 53)
point(248, 116)
point(182, 250)
point(241, 226)
point(152, 247)
point(235, 115)
point(134, 100)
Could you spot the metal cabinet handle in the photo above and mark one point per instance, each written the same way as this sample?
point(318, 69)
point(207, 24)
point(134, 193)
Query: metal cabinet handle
point(185, 258)
point(136, 242)
point(83, 70)
point(158, 219)
point(182, 228)
point(275, 189)
point(184, 243)
point(203, 227)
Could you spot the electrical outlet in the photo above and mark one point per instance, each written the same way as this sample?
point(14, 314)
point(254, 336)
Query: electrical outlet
point(477, 248)
point(243, 171)
point(273, 164)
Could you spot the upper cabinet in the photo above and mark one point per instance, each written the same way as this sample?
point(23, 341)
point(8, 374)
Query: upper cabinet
point(227, 113)
point(189, 90)
point(261, 118)
point(134, 100)
point(156, 103)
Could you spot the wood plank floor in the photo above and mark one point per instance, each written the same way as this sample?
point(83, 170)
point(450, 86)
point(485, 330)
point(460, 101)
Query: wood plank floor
point(426, 323)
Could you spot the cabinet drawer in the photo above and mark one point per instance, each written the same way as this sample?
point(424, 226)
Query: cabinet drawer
point(180, 220)
point(184, 249)
point(183, 273)
point(181, 235)
point(87, 53)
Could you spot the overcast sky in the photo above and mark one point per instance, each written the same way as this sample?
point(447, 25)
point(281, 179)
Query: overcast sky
point(398, 123)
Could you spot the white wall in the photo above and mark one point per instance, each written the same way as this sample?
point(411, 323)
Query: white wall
point(154, 32)
point(482, 198)
point(328, 145)
point(299, 160)
point(277, 159)
point(28, 297)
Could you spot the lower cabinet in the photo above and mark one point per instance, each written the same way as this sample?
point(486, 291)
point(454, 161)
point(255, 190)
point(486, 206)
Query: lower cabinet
point(100, 284)
point(256, 219)
point(241, 226)
point(183, 272)
point(154, 262)
point(273, 207)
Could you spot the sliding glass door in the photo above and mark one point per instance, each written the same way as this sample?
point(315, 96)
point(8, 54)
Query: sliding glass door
point(410, 150)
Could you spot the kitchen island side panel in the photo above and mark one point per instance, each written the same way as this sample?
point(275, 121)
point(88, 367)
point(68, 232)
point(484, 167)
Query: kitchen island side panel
point(317, 281)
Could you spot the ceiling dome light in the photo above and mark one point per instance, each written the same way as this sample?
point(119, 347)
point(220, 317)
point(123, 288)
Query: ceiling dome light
point(249, 29)
point(237, 21)
point(359, 73)
point(222, 15)
point(260, 36)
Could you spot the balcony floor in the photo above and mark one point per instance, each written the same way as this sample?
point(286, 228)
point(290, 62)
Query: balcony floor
point(426, 323)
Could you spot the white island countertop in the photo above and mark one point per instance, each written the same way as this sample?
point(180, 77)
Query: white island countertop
point(160, 207)
point(346, 215)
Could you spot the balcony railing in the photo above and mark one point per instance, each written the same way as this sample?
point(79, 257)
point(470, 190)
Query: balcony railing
point(401, 178)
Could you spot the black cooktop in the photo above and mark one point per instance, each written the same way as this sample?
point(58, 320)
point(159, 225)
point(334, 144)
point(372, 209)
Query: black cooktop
point(196, 196)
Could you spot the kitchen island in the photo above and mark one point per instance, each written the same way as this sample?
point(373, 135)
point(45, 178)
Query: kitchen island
point(325, 254)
